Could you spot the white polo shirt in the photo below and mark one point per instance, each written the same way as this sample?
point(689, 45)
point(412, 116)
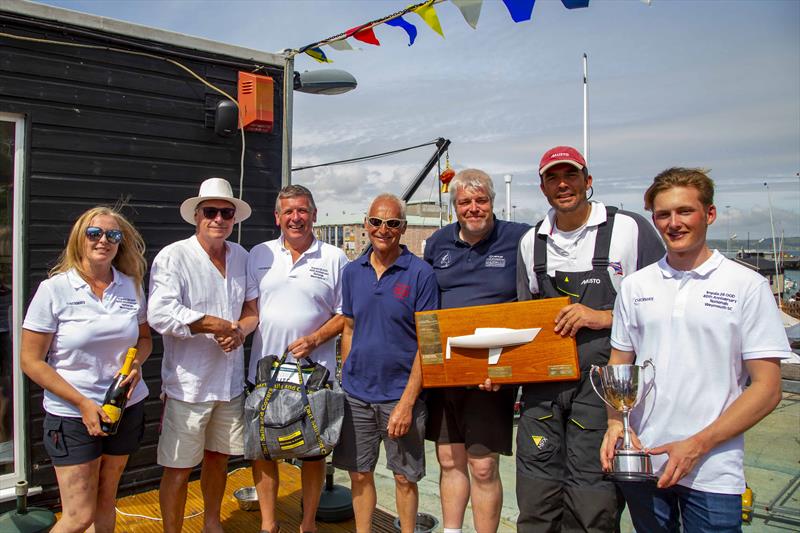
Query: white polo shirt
point(634, 244)
point(697, 327)
point(184, 286)
point(91, 336)
point(294, 299)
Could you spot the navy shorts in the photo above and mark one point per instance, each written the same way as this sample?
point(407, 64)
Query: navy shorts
point(67, 441)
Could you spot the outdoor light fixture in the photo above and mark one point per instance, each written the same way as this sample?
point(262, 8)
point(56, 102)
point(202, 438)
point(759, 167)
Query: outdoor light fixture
point(256, 93)
point(328, 81)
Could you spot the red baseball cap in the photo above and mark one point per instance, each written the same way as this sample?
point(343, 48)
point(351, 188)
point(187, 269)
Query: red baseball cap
point(561, 154)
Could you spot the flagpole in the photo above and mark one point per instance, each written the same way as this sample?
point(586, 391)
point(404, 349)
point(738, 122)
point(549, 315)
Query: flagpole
point(586, 108)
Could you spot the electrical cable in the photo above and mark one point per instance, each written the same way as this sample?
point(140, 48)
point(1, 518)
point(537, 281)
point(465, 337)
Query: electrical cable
point(364, 158)
point(37, 23)
point(157, 519)
point(160, 58)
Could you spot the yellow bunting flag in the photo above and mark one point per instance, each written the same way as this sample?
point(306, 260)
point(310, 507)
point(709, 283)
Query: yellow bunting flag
point(319, 55)
point(428, 14)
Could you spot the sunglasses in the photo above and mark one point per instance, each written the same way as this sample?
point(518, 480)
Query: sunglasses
point(391, 223)
point(211, 212)
point(94, 234)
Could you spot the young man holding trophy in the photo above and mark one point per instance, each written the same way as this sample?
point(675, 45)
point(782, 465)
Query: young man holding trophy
point(583, 250)
point(706, 324)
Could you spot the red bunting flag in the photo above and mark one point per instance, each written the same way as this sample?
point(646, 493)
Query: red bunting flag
point(366, 35)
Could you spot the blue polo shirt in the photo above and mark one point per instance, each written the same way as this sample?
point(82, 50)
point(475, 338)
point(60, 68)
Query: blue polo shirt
point(483, 274)
point(384, 342)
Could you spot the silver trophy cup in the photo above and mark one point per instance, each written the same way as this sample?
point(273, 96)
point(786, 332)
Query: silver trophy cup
point(622, 388)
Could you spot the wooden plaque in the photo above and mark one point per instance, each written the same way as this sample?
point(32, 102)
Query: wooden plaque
point(548, 357)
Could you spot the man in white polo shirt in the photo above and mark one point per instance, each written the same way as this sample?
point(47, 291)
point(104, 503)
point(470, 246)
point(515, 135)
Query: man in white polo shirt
point(296, 282)
point(197, 290)
point(708, 324)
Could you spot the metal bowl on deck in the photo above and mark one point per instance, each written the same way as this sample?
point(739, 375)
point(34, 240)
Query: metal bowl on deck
point(426, 523)
point(247, 498)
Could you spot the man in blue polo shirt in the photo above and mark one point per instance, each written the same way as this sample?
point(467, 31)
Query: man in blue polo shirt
point(475, 261)
point(381, 375)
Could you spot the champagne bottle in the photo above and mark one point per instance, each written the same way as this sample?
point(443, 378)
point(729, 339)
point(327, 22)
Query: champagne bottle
point(117, 396)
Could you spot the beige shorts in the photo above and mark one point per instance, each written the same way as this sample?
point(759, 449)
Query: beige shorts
point(187, 429)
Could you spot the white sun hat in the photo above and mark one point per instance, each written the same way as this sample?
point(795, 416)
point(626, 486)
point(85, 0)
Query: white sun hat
point(215, 189)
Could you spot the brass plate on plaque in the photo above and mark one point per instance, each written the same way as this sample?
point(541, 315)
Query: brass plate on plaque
point(549, 357)
point(499, 372)
point(429, 340)
point(561, 370)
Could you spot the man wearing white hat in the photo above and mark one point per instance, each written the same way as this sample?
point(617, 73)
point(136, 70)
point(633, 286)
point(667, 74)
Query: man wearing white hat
point(197, 292)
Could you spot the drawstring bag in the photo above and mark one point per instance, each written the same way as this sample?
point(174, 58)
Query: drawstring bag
point(293, 412)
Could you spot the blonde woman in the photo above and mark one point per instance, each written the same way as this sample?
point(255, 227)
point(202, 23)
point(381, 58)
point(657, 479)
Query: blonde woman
point(76, 333)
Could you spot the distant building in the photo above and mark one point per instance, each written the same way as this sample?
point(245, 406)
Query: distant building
point(347, 231)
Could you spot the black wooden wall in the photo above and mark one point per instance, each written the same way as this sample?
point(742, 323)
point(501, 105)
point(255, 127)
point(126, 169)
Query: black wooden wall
point(106, 127)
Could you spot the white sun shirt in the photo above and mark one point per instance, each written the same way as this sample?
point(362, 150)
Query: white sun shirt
point(698, 327)
point(184, 286)
point(91, 336)
point(294, 299)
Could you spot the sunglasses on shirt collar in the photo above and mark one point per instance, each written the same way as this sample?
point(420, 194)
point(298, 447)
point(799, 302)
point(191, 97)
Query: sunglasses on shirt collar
point(211, 212)
point(391, 223)
point(94, 234)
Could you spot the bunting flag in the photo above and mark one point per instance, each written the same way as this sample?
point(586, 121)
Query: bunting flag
point(428, 14)
point(520, 10)
point(318, 54)
point(411, 30)
point(365, 35)
point(470, 9)
point(342, 46)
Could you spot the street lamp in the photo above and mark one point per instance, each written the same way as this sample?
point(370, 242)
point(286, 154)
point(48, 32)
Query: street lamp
point(329, 81)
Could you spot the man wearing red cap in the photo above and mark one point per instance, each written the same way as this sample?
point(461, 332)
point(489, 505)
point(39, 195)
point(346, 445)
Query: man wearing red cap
point(583, 250)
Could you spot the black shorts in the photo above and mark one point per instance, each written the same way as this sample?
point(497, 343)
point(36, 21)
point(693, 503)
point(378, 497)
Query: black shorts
point(67, 441)
point(482, 421)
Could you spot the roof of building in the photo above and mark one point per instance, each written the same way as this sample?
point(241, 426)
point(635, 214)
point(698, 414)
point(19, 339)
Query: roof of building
point(109, 25)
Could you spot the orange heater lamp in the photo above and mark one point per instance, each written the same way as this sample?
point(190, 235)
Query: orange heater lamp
point(256, 102)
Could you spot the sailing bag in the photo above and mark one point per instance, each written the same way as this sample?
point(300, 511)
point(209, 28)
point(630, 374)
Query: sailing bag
point(293, 412)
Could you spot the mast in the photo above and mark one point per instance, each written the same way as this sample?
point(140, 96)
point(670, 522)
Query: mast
point(774, 249)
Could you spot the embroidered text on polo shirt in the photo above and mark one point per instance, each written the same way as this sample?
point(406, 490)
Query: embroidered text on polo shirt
point(128, 303)
point(318, 273)
point(495, 261)
point(720, 300)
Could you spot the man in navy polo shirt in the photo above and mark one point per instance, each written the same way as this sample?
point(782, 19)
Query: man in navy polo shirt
point(381, 375)
point(475, 261)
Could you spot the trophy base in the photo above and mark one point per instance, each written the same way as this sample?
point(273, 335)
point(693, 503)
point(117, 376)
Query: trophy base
point(632, 465)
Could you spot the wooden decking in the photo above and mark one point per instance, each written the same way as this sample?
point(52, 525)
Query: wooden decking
point(234, 519)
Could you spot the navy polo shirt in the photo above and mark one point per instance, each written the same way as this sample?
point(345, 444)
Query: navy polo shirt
point(384, 342)
point(483, 274)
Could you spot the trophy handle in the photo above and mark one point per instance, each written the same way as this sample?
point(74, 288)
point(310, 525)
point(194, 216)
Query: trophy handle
point(592, 371)
point(652, 366)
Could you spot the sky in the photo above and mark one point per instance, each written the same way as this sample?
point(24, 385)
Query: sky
point(711, 84)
